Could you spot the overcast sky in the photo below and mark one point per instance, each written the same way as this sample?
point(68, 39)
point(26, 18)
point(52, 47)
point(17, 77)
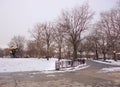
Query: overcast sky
point(19, 16)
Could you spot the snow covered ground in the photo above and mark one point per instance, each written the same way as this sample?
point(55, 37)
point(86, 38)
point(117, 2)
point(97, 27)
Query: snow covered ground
point(26, 64)
point(110, 62)
point(30, 64)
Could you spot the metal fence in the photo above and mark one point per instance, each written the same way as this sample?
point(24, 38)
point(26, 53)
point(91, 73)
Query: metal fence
point(67, 64)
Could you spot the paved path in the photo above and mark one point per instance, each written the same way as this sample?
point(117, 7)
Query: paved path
point(89, 77)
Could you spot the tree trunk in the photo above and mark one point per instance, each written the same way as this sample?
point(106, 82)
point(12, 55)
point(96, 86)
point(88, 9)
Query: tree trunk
point(59, 52)
point(96, 51)
point(104, 54)
point(115, 58)
point(48, 51)
point(96, 54)
point(75, 52)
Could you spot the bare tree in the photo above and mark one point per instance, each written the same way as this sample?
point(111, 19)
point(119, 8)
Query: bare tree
point(94, 39)
point(102, 45)
point(58, 38)
point(88, 45)
point(42, 34)
point(47, 32)
point(36, 33)
point(110, 26)
point(74, 23)
point(31, 48)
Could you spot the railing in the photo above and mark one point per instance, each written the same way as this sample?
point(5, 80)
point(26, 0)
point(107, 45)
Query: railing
point(67, 64)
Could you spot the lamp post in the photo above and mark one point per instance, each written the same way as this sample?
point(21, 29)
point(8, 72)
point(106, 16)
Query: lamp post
point(114, 55)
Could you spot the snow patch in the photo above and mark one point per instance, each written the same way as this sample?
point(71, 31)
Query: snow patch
point(111, 69)
point(110, 62)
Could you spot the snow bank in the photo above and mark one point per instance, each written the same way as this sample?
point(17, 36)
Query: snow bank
point(111, 62)
point(80, 67)
point(26, 64)
point(111, 69)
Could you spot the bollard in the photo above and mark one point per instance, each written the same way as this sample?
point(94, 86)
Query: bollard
point(83, 61)
point(57, 65)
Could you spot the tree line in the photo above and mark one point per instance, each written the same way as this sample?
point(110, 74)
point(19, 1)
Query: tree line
point(73, 33)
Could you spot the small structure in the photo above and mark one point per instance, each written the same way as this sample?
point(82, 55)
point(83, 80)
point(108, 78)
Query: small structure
point(12, 51)
point(57, 65)
point(118, 55)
